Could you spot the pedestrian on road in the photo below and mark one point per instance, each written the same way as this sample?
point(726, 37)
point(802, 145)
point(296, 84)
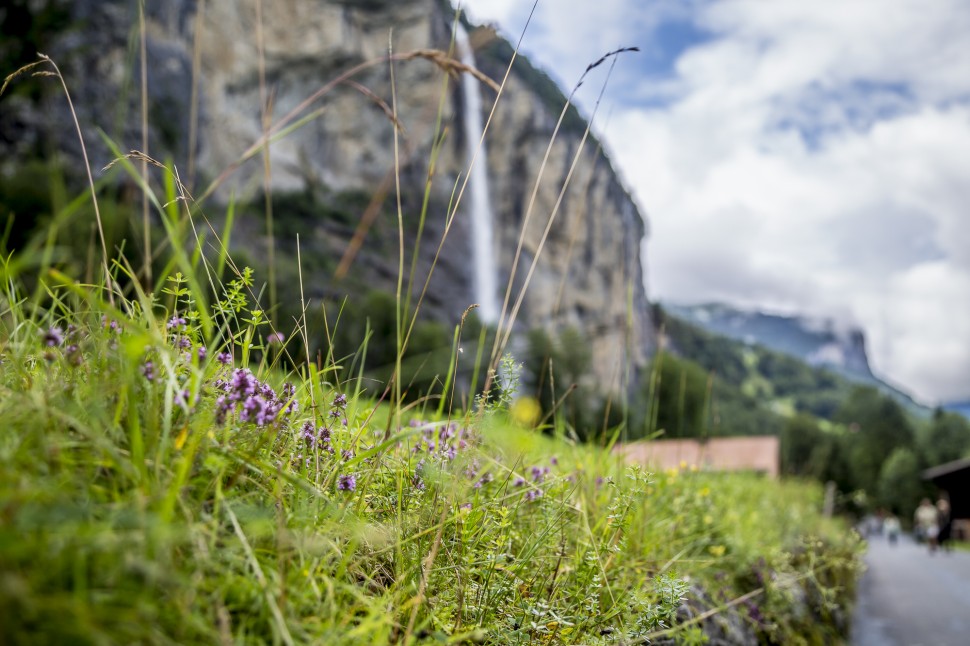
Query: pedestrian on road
point(944, 521)
point(891, 527)
point(926, 520)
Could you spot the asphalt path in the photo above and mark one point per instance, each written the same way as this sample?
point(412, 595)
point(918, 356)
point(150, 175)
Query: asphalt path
point(909, 597)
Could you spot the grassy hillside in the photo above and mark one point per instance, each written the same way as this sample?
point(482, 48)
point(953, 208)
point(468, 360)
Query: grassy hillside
point(165, 482)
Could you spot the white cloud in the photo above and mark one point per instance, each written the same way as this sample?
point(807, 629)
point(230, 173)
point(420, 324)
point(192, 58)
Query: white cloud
point(810, 156)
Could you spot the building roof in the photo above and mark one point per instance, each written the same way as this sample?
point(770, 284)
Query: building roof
point(753, 453)
point(946, 469)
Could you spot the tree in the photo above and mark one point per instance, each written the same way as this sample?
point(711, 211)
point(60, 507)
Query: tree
point(877, 426)
point(680, 398)
point(946, 438)
point(900, 487)
point(808, 450)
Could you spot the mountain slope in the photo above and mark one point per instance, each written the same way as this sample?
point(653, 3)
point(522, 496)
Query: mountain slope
point(818, 342)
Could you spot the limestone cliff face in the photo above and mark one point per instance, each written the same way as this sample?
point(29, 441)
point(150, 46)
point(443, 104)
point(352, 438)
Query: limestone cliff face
point(589, 274)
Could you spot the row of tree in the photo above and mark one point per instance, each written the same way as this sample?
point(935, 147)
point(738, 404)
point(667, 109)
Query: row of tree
point(874, 447)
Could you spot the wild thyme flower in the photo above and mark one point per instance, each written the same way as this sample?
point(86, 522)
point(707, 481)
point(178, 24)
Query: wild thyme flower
point(347, 482)
point(309, 434)
point(539, 473)
point(340, 401)
point(183, 343)
point(202, 352)
point(533, 494)
point(275, 338)
point(256, 409)
point(148, 370)
point(181, 398)
point(243, 384)
point(518, 482)
point(176, 322)
point(225, 358)
point(223, 406)
point(347, 454)
point(53, 337)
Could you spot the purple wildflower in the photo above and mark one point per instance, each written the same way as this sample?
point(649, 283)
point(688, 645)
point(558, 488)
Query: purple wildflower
point(533, 494)
point(347, 454)
point(225, 358)
point(183, 343)
point(242, 385)
point(275, 338)
point(466, 505)
point(202, 352)
point(181, 398)
point(175, 322)
point(518, 482)
point(223, 406)
point(309, 434)
point(148, 370)
point(347, 482)
point(53, 337)
point(340, 401)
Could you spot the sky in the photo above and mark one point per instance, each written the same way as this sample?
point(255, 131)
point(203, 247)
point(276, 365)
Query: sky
point(790, 156)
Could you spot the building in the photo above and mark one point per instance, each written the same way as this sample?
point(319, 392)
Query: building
point(754, 453)
point(954, 479)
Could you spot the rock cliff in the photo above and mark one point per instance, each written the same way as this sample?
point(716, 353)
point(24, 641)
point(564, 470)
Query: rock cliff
point(205, 95)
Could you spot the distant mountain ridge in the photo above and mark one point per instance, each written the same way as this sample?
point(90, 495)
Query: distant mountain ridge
point(818, 342)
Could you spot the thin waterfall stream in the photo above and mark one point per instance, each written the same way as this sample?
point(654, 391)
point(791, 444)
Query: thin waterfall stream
point(483, 250)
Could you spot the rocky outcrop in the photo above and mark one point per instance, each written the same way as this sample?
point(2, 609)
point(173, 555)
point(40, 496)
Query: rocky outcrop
point(588, 275)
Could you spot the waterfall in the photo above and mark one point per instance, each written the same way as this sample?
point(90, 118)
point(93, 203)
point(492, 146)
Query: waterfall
point(483, 251)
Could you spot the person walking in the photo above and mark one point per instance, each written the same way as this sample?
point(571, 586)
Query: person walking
point(926, 519)
point(891, 526)
point(944, 521)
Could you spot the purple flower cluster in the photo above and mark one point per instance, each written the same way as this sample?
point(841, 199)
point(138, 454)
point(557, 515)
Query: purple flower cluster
point(315, 437)
point(53, 337)
point(347, 482)
point(254, 400)
point(441, 442)
point(539, 474)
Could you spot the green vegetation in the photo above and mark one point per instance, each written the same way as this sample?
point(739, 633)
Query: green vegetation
point(831, 429)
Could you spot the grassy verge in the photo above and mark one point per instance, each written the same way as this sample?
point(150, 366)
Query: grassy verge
point(159, 488)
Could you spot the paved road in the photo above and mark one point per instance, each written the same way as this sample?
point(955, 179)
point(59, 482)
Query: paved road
point(911, 598)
